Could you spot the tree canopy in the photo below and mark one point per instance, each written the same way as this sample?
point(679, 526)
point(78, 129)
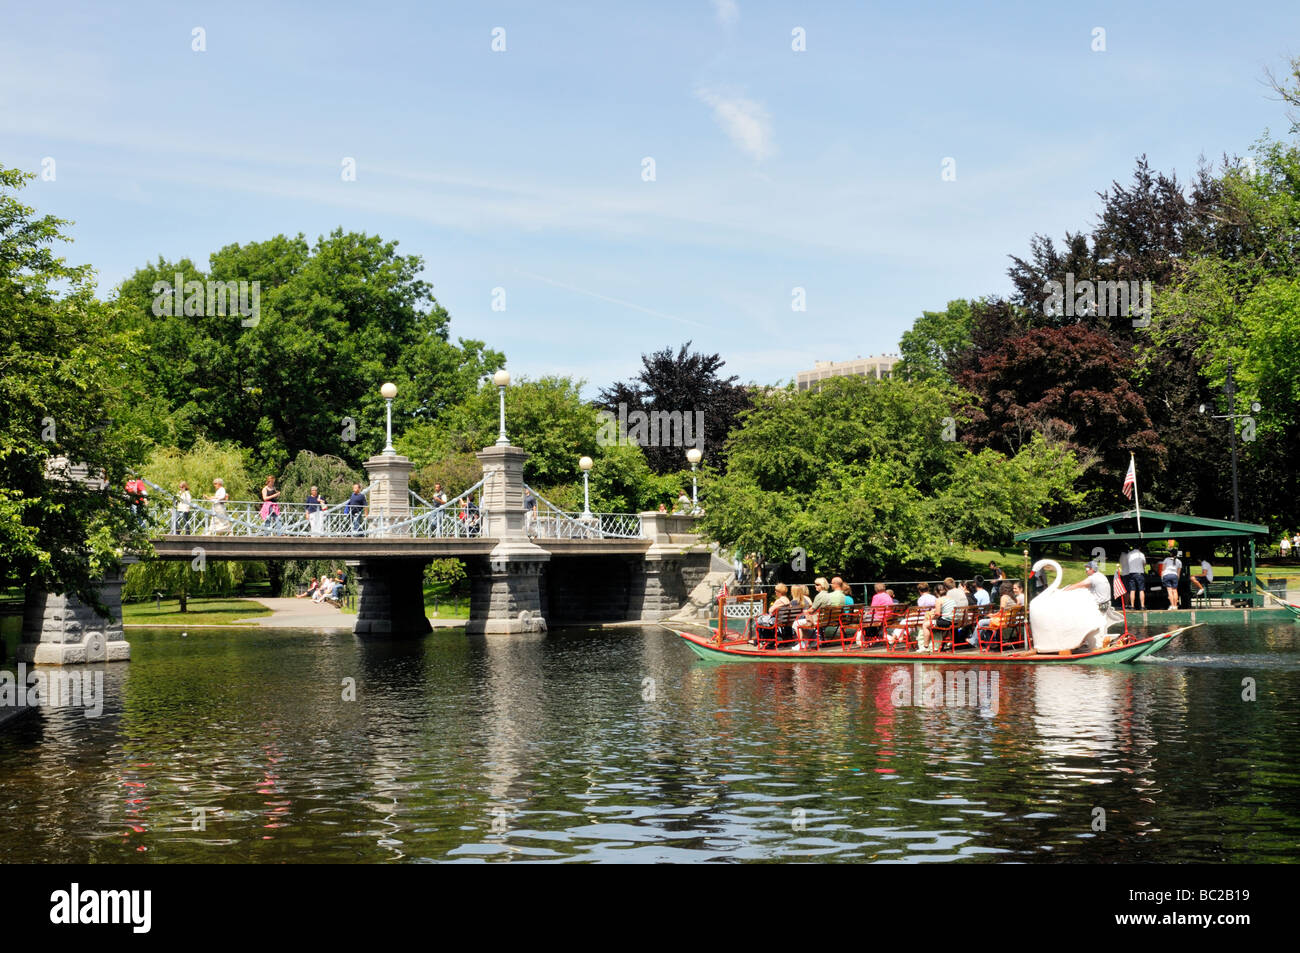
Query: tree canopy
point(335, 320)
point(72, 399)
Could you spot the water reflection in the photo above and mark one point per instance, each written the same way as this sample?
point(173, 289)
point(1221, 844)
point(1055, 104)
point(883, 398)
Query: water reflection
point(618, 745)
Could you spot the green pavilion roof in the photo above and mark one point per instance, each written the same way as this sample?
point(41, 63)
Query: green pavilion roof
point(1155, 526)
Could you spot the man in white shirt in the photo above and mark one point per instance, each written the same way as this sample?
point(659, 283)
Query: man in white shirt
point(1097, 583)
point(1206, 577)
point(1171, 571)
point(1134, 565)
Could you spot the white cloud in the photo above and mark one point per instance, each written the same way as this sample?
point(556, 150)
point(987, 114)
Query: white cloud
point(744, 120)
point(728, 11)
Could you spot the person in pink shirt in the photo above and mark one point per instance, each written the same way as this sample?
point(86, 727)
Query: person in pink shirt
point(881, 598)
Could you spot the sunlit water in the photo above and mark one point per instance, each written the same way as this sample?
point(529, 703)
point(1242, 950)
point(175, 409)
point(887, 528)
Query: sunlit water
point(618, 745)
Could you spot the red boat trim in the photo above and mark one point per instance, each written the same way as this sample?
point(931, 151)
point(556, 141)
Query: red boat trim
point(743, 649)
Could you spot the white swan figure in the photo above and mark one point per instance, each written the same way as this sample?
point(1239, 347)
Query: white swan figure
point(1063, 620)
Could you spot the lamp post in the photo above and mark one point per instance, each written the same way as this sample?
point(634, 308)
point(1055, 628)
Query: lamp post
point(694, 455)
point(502, 379)
point(389, 391)
point(1230, 390)
point(585, 464)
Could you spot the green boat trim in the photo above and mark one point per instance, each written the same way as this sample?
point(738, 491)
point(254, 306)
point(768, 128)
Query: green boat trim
point(707, 648)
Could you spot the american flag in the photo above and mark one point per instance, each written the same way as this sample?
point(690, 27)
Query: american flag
point(1130, 478)
point(1120, 591)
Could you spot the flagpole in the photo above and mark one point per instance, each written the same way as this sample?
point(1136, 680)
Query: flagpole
point(1137, 497)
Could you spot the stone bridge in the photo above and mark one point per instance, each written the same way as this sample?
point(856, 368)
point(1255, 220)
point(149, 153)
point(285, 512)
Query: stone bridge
point(525, 574)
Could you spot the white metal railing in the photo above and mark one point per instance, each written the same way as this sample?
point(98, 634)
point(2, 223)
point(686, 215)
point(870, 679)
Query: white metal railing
point(551, 522)
point(458, 518)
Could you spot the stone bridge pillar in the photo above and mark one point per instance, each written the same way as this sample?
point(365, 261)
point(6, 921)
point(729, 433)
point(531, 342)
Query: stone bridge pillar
point(505, 592)
point(675, 562)
point(63, 630)
point(391, 599)
point(390, 603)
point(389, 498)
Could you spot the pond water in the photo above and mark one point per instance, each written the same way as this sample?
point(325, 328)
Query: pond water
point(235, 745)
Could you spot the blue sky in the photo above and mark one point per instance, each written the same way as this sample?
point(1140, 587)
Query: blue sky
point(522, 169)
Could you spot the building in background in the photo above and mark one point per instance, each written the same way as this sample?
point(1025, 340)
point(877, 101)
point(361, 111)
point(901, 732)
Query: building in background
point(877, 367)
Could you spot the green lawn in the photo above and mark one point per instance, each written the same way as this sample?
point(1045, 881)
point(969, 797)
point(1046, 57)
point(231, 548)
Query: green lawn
point(201, 612)
point(436, 605)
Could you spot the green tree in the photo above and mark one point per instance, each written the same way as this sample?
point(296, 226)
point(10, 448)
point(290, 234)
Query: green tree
point(335, 320)
point(197, 467)
point(990, 497)
point(935, 339)
point(546, 417)
point(71, 399)
point(689, 389)
point(790, 437)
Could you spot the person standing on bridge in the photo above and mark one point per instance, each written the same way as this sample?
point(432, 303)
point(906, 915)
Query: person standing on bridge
point(137, 494)
point(271, 505)
point(530, 513)
point(220, 521)
point(315, 512)
point(356, 508)
point(184, 501)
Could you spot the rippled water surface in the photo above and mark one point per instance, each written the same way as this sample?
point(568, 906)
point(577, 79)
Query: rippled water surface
point(618, 745)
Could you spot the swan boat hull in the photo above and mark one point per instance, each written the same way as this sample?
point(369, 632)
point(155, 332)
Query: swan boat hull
point(709, 648)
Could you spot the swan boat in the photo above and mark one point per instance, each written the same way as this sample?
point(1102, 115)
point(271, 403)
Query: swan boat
point(1064, 627)
point(1290, 607)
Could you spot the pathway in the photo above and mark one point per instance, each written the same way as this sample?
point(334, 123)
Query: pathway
point(291, 613)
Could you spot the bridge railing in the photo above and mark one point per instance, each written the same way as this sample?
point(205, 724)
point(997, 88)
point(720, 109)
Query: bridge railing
point(551, 522)
point(460, 518)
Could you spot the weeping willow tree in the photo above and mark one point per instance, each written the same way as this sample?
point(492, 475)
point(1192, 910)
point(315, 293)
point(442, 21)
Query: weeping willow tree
point(197, 467)
point(186, 579)
point(333, 477)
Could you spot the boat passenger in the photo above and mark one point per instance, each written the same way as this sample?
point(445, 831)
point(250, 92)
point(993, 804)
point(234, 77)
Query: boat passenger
point(925, 599)
point(955, 592)
point(995, 620)
point(799, 596)
point(1018, 592)
point(978, 592)
point(825, 598)
point(945, 609)
point(844, 589)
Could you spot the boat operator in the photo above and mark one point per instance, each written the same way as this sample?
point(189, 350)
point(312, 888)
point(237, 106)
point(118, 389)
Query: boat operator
point(1099, 585)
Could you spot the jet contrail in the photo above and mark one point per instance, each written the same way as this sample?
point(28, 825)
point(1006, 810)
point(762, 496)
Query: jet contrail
point(618, 301)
